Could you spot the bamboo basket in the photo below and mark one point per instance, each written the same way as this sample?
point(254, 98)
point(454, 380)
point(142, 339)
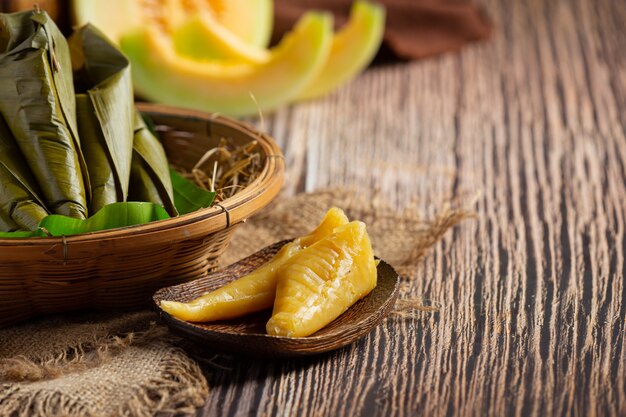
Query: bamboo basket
point(122, 268)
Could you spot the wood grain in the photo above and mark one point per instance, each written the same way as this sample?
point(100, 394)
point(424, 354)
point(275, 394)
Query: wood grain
point(532, 317)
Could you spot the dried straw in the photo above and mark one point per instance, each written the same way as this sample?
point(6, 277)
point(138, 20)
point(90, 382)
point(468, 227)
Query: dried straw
point(226, 169)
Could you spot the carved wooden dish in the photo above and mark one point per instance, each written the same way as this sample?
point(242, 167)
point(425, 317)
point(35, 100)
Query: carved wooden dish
point(247, 335)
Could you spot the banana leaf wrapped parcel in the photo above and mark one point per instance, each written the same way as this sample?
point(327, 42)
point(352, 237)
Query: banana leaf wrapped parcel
point(75, 154)
point(20, 206)
point(105, 109)
point(150, 174)
point(38, 104)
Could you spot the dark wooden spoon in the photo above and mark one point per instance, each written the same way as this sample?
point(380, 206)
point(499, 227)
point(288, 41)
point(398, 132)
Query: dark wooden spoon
point(246, 335)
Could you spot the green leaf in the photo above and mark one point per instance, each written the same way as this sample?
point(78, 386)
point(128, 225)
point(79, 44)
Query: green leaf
point(109, 217)
point(105, 110)
point(22, 234)
point(37, 102)
point(150, 124)
point(103, 179)
point(20, 207)
point(188, 197)
point(6, 224)
point(13, 161)
point(150, 176)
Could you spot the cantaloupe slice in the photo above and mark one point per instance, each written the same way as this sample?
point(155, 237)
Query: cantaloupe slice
point(249, 20)
point(255, 291)
point(161, 75)
point(321, 282)
point(353, 48)
point(202, 38)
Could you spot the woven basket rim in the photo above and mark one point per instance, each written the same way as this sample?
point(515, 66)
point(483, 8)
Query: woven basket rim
point(229, 211)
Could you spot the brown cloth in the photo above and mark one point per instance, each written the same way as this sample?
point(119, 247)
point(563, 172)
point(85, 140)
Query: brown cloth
point(414, 29)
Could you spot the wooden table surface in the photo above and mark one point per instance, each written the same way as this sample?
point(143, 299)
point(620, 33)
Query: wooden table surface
point(532, 317)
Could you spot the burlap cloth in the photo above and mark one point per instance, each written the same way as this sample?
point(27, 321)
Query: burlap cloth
point(124, 364)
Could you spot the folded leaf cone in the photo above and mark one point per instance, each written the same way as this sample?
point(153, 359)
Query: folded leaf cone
point(6, 224)
point(20, 208)
point(37, 102)
point(150, 175)
point(105, 109)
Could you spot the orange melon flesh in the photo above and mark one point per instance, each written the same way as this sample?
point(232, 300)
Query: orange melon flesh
point(162, 75)
point(352, 48)
point(255, 291)
point(249, 20)
point(321, 282)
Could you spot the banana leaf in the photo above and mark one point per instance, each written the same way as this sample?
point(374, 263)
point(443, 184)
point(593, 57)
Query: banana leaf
point(149, 175)
point(37, 102)
point(105, 110)
point(6, 224)
point(20, 208)
point(142, 188)
point(188, 197)
point(109, 217)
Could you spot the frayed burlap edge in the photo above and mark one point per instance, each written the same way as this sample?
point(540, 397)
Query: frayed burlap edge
point(434, 230)
point(76, 358)
point(162, 394)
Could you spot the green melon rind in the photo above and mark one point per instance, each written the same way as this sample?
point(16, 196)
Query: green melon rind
point(353, 49)
point(203, 39)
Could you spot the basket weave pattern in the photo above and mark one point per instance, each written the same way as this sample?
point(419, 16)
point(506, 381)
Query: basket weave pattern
point(122, 268)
